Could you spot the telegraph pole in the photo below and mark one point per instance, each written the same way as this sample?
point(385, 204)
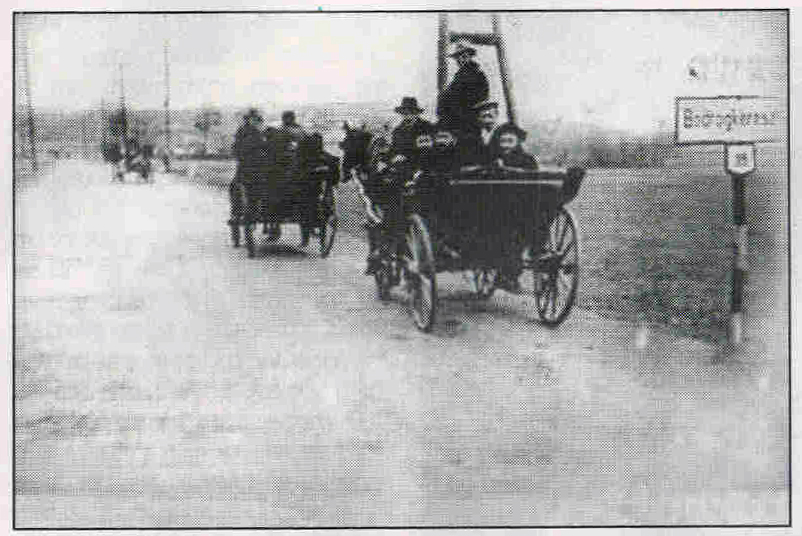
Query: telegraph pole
point(123, 117)
point(167, 134)
point(26, 73)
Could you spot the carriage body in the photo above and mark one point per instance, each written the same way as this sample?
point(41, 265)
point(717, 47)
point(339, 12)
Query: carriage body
point(478, 211)
point(476, 219)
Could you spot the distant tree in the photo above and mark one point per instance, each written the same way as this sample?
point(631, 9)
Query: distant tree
point(205, 120)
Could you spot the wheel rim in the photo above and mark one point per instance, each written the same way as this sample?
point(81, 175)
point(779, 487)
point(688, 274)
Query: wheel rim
point(420, 275)
point(484, 282)
point(557, 277)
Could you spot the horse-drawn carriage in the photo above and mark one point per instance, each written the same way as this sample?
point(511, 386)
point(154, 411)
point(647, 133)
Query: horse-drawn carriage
point(501, 224)
point(293, 183)
point(131, 157)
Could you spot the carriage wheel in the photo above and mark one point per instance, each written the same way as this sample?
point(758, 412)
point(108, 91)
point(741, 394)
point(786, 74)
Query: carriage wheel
point(327, 231)
point(420, 274)
point(484, 282)
point(557, 271)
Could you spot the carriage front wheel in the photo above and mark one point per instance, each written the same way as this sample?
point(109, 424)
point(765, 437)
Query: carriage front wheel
point(556, 269)
point(420, 273)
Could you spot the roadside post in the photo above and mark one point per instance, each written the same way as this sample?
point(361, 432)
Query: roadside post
point(737, 122)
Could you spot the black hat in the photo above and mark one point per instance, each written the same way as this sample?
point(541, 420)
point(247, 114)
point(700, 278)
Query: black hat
point(484, 105)
point(511, 127)
point(253, 112)
point(409, 105)
point(462, 48)
point(289, 114)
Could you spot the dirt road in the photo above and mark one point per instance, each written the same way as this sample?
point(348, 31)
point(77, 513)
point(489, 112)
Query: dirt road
point(165, 379)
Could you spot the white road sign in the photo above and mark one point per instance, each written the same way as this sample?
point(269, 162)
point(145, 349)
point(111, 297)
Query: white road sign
point(729, 119)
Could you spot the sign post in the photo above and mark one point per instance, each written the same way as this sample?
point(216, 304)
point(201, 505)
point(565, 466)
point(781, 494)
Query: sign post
point(737, 122)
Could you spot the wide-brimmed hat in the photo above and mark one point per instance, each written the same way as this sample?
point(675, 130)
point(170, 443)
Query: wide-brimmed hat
point(462, 47)
point(485, 105)
point(253, 112)
point(513, 128)
point(409, 105)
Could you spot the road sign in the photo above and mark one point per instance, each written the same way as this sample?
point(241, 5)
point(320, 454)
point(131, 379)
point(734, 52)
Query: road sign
point(739, 159)
point(728, 119)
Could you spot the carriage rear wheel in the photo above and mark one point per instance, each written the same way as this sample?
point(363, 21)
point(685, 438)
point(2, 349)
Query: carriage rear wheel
point(484, 282)
point(420, 274)
point(556, 270)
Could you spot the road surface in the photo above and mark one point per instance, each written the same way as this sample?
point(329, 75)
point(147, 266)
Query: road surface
point(163, 379)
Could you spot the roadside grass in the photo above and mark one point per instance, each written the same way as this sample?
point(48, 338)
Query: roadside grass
point(656, 244)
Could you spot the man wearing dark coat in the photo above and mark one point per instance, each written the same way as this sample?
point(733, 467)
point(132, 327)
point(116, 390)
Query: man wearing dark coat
point(410, 140)
point(405, 135)
point(479, 142)
point(468, 88)
point(248, 150)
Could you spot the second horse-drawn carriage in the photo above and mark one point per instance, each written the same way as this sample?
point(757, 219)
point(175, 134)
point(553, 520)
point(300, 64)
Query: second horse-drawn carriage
point(292, 182)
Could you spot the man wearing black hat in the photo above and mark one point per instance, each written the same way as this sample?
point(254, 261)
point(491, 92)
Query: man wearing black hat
point(410, 140)
point(405, 135)
point(247, 149)
point(478, 143)
point(468, 88)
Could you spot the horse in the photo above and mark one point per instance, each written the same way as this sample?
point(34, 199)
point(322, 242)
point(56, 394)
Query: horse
point(362, 150)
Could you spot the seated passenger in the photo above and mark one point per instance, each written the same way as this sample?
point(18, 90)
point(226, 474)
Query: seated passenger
point(475, 147)
point(507, 150)
point(509, 154)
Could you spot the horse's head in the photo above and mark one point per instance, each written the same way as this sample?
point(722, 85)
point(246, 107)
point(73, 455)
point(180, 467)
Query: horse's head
point(355, 148)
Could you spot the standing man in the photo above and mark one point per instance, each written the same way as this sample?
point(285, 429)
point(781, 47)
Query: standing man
point(468, 88)
point(247, 149)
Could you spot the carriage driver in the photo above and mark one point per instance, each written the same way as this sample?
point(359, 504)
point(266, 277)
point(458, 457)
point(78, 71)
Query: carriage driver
point(408, 139)
point(468, 88)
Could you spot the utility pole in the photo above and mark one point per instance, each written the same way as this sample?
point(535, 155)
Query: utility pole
point(123, 117)
point(26, 74)
point(167, 134)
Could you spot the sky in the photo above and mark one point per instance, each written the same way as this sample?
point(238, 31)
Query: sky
point(618, 70)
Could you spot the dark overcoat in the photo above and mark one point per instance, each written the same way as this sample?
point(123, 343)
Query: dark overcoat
point(405, 136)
point(468, 88)
point(248, 149)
